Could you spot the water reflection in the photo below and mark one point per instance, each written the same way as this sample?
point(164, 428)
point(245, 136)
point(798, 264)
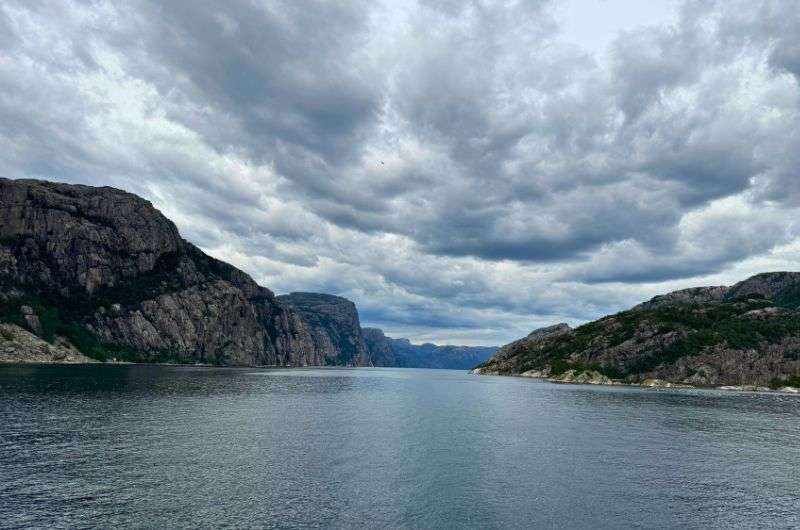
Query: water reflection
point(295, 448)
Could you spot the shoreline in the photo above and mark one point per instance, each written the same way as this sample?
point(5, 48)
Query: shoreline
point(654, 384)
point(93, 362)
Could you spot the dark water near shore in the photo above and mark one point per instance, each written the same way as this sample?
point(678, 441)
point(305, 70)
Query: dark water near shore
point(156, 446)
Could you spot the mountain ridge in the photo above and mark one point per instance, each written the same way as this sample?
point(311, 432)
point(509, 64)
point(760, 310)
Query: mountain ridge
point(99, 272)
point(402, 352)
point(104, 270)
point(745, 334)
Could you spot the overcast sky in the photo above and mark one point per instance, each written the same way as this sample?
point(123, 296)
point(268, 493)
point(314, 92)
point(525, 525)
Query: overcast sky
point(464, 171)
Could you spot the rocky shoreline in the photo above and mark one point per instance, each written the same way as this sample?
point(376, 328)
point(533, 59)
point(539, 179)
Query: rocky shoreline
point(742, 337)
point(592, 377)
point(20, 345)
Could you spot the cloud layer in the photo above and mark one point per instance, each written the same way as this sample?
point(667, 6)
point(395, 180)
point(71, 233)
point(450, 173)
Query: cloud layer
point(459, 169)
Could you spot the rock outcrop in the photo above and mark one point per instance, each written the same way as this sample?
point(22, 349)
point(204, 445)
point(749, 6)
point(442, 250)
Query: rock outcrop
point(782, 288)
point(386, 351)
point(535, 340)
point(582, 377)
point(746, 334)
point(20, 345)
point(692, 295)
point(106, 271)
point(334, 326)
point(380, 348)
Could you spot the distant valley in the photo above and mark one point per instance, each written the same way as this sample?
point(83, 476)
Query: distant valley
point(386, 351)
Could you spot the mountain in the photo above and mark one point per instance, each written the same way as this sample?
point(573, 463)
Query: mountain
point(386, 351)
point(101, 272)
point(380, 348)
point(334, 325)
point(746, 334)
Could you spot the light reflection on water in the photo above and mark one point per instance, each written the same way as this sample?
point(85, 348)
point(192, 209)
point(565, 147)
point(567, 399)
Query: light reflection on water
point(161, 446)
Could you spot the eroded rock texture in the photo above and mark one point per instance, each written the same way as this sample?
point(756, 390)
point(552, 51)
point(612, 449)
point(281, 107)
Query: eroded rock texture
point(334, 325)
point(106, 271)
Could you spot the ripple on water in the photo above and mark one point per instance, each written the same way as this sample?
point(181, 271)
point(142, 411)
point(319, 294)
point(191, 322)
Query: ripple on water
point(161, 446)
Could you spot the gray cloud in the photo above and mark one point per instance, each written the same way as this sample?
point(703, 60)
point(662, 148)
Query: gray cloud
point(454, 167)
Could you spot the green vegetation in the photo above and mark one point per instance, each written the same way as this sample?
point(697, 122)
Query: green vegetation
point(789, 381)
point(64, 314)
point(10, 312)
point(694, 329)
point(560, 366)
point(10, 241)
point(789, 298)
point(57, 322)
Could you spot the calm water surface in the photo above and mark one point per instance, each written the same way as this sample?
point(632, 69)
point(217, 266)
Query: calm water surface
point(155, 446)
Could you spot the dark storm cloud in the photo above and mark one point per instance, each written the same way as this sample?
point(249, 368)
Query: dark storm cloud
point(443, 163)
point(286, 73)
point(644, 165)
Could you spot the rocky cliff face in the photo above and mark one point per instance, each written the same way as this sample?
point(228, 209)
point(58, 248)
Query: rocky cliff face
point(386, 351)
point(334, 326)
point(747, 334)
point(108, 273)
point(380, 348)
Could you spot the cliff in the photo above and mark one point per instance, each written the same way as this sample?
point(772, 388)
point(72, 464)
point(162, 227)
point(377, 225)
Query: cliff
point(386, 351)
point(746, 334)
point(380, 348)
point(334, 326)
point(103, 272)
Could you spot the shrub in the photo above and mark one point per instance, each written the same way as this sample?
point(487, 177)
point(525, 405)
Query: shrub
point(60, 319)
point(700, 327)
point(559, 366)
point(789, 381)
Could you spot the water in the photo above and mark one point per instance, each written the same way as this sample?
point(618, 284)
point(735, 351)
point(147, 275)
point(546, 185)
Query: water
point(157, 446)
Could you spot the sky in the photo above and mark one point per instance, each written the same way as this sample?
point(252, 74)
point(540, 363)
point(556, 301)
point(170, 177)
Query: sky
point(465, 171)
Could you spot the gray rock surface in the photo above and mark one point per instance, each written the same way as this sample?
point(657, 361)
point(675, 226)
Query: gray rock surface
point(380, 348)
point(111, 264)
point(747, 334)
point(535, 340)
point(20, 345)
point(334, 327)
point(692, 295)
point(781, 287)
point(79, 237)
point(583, 377)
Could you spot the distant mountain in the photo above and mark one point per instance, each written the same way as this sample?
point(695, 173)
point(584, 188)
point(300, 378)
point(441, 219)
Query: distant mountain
point(386, 351)
point(746, 334)
point(101, 272)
